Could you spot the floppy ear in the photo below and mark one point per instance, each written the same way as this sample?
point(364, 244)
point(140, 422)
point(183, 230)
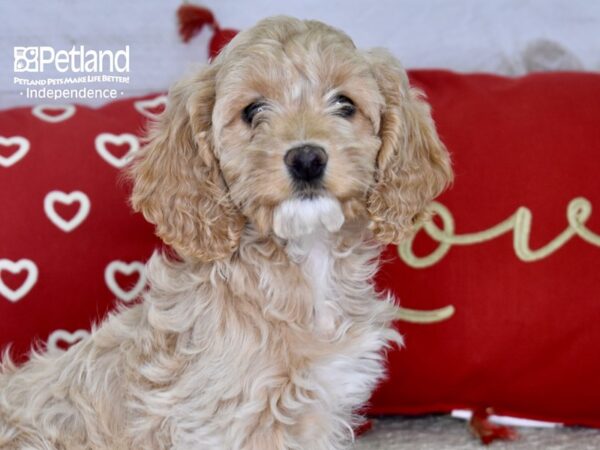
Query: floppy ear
point(177, 182)
point(413, 165)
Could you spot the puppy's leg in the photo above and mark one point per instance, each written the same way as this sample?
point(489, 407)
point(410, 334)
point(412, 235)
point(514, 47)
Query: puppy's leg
point(272, 438)
point(24, 441)
point(308, 430)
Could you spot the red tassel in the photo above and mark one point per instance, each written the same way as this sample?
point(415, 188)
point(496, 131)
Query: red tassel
point(363, 428)
point(220, 39)
point(192, 19)
point(486, 431)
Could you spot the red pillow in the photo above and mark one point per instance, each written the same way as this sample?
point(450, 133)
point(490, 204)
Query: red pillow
point(525, 335)
point(69, 243)
point(523, 338)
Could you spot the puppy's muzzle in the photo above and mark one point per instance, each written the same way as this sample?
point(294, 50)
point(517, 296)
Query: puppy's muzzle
point(306, 163)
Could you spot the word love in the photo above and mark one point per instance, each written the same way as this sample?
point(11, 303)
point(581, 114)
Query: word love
point(578, 212)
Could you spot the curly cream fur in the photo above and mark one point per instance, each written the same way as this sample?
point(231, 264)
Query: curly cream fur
point(414, 166)
point(178, 185)
point(265, 332)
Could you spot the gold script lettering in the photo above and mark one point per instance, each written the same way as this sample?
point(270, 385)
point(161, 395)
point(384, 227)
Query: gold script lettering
point(578, 212)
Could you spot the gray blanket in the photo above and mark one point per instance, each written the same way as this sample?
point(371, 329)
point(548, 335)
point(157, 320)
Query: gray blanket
point(446, 433)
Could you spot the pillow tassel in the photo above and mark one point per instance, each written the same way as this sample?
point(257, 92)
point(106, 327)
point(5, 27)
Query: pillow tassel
point(193, 18)
point(486, 431)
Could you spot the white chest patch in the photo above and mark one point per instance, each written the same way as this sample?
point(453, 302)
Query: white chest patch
point(307, 224)
point(347, 375)
point(318, 266)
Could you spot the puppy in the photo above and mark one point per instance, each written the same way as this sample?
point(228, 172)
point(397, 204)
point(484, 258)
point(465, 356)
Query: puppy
point(276, 174)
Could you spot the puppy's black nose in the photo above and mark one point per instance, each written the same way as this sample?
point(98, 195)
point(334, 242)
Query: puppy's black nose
point(306, 163)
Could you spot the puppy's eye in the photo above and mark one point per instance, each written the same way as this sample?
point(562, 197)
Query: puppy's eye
point(250, 111)
point(344, 106)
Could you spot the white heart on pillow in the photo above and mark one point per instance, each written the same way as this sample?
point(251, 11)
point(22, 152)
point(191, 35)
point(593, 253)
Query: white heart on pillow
point(14, 295)
point(67, 337)
point(144, 106)
point(39, 111)
point(62, 197)
point(117, 139)
point(127, 269)
point(23, 143)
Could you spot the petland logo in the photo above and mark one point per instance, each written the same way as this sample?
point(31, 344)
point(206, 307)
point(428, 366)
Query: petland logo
point(77, 60)
point(82, 73)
